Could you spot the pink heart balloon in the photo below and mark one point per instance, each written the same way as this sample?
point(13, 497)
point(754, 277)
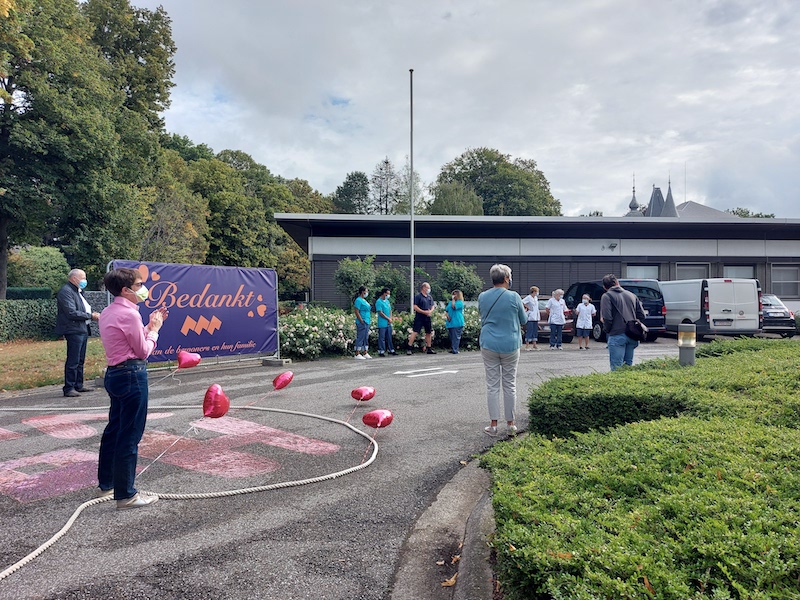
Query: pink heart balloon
point(215, 403)
point(363, 393)
point(188, 359)
point(282, 380)
point(378, 418)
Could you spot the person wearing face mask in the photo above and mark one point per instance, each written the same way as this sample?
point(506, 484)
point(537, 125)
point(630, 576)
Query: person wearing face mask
point(556, 307)
point(583, 326)
point(384, 311)
point(72, 321)
point(362, 309)
point(127, 343)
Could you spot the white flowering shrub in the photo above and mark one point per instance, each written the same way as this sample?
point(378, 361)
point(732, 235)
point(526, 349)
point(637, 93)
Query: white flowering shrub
point(314, 332)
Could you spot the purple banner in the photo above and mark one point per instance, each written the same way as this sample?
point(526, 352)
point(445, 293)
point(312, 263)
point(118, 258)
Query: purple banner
point(213, 311)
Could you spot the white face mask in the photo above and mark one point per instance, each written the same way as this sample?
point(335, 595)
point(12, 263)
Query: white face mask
point(388, 296)
point(142, 293)
point(585, 301)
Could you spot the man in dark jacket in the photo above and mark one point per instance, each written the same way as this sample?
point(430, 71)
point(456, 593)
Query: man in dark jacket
point(73, 320)
point(617, 307)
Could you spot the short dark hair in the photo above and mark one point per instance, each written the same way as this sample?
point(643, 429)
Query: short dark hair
point(117, 280)
point(383, 291)
point(610, 281)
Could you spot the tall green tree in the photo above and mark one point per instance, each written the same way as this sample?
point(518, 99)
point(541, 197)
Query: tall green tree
point(352, 197)
point(384, 188)
point(455, 198)
point(746, 213)
point(138, 45)
point(404, 185)
point(507, 187)
point(58, 139)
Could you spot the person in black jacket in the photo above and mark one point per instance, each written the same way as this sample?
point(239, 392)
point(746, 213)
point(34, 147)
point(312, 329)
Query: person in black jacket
point(73, 320)
point(617, 307)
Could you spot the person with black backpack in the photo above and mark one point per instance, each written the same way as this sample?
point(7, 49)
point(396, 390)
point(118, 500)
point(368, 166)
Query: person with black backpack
point(621, 313)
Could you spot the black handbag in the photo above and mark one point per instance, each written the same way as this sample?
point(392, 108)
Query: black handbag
point(636, 330)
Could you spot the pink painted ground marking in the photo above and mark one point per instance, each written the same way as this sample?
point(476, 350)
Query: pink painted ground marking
point(266, 435)
point(7, 434)
point(46, 475)
point(71, 426)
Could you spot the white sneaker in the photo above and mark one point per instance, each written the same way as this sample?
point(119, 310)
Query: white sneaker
point(492, 431)
point(511, 430)
point(367, 356)
point(359, 357)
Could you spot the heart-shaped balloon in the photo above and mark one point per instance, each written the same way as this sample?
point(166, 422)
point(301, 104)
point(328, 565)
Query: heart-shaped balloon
point(215, 403)
point(378, 418)
point(188, 359)
point(282, 380)
point(363, 393)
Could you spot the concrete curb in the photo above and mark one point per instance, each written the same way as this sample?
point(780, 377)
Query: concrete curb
point(457, 523)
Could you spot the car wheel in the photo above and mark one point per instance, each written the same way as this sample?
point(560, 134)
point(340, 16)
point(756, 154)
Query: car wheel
point(652, 337)
point(567, 339)
point(598, 334)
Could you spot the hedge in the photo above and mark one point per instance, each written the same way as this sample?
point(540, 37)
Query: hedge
point(27, 319)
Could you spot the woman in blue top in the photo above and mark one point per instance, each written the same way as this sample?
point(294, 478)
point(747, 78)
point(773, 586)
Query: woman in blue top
point(455, 320)
point(502, 315)
point(384, 311)
point(362, 310)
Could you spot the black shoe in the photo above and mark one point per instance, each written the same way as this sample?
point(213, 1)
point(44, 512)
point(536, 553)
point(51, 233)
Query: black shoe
point(430, 351)
point(84, 390)
point(381, 354)
point(452, 352)
point(71, 394)
point(393, 353)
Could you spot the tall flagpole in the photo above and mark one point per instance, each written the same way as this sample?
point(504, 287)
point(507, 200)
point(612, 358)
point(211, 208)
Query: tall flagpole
point(411, 190)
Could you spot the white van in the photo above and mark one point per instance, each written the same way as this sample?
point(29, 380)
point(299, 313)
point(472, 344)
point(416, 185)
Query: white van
point(722, 306)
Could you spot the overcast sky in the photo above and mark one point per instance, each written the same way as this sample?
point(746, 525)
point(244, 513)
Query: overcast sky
point(707, 92)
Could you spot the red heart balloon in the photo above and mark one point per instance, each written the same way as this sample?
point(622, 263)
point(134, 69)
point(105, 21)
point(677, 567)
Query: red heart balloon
point(215, 403)
point(282, 380)
point(363, 393)
point(378, 418)
point(188, 359)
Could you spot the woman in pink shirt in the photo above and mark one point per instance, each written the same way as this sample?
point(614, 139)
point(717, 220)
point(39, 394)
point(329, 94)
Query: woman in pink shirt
point(127, 343)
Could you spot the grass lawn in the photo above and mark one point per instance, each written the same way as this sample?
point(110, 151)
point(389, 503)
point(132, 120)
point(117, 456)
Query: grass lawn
point(28, 364)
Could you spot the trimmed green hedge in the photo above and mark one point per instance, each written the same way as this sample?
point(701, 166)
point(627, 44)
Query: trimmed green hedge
point(28, 293)
point(698, 499)
point(27, 319)
point(733, 378)
point(670, 509)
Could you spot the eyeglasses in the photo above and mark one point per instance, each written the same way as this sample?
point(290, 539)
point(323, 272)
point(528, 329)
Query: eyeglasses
point(137, 285)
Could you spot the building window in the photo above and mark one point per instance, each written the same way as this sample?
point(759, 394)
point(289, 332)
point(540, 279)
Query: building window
point(743, 272)
point(641, 272)
point(692, 270)
point(786, 281)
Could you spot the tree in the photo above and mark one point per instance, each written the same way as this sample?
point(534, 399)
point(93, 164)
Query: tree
point(404, 191)
point(506, 187)
point(138, 45)
point(352, 197)
point(746, 213)
point(459, 276)
point(455, 198)
point(188, 150)
point(58, 139)
point(352, 274)
point(36, 266)
point(255, 175)
point(394, 278)
point(384, 188)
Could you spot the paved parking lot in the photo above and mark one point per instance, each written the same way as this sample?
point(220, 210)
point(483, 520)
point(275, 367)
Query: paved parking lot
point(341, 538)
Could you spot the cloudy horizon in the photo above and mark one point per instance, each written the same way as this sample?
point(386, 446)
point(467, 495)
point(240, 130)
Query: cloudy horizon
point(699, 93)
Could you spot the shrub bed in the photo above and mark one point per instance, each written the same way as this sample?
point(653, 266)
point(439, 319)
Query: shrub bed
point(27, 319)
point(672, 509)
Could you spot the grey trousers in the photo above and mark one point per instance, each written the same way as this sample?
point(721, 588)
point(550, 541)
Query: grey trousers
point(501, 372)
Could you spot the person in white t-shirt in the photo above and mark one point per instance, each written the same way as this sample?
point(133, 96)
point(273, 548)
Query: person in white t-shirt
point(583, 326)
point(531, 304)
point(556, 307)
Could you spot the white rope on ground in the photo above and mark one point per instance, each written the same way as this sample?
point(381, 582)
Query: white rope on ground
point(200, 496)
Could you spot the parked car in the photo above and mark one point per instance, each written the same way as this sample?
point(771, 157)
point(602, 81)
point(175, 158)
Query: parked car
point(648, 292)
point(544, 326)
point(777, 318)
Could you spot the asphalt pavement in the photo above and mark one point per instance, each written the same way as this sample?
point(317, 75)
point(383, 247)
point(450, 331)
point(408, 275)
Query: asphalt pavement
point(416, 517)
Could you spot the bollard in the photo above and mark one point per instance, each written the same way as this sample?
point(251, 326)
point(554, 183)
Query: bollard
point(687, 341)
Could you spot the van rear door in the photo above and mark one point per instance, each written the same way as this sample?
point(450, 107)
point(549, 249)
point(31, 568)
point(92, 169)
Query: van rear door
point(733, 305)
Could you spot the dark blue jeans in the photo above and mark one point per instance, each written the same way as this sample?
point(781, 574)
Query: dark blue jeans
point(76, 356)
point(119, 446)
point(385, 339)
point(555, 335)
point(455, 338)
